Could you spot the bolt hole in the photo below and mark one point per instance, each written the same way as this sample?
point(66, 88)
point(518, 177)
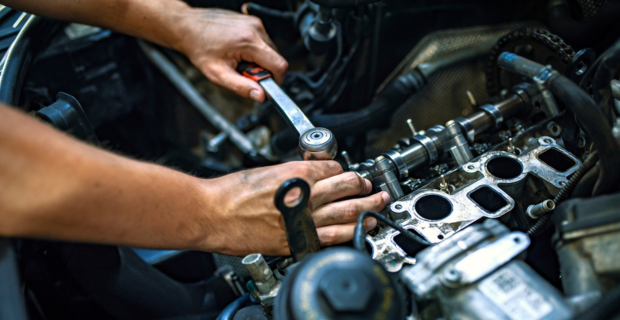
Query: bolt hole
point(517, 240)
point(440, 237)
point(398, 207)
point(293, 197)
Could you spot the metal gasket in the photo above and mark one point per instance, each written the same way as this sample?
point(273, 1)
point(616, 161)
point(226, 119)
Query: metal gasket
point(465, 210)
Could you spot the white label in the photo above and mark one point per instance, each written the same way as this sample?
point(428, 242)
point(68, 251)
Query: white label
point(514, 297)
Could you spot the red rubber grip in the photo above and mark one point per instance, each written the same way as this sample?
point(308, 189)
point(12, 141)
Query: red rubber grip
point(253, 71)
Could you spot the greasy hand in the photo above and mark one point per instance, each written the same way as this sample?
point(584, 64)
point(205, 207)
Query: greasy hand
point(217, 40)
point(248, 220)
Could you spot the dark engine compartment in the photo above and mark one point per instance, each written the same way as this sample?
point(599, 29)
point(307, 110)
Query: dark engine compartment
point(430, 100)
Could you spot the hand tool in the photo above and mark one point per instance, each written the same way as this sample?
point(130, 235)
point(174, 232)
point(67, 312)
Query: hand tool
point(314, 143)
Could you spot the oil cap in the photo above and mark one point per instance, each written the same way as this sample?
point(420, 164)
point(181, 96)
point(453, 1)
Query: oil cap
point(339, 283)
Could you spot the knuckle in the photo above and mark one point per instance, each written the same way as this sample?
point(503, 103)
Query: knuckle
point(334, 165)
point(354, 180)
point(282, 65)
point(351, 210)
point(246, 36)
point(302, 170)
point(256, 23)
point(330, 236)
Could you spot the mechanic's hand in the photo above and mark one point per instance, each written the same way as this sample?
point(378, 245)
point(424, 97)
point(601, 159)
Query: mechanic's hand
point(249, 221)
point(217, 40)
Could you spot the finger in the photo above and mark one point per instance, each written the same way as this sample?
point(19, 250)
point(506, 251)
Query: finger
point(227, 77)
point(340, 186)
point(340, 233)
point(348, 211)
point(265, 56)
point(317, 170)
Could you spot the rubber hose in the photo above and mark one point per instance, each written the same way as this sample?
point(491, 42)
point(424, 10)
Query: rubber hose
point(262, 11)
point(607, 71)
point(593, 123)
point(358, 235)
point(585, 186)
point(360, 121)
point(229, 312)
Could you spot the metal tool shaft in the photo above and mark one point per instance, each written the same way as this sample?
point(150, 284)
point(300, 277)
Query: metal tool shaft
point(288, 108)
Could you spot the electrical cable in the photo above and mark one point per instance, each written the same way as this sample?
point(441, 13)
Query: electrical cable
point(358, 236)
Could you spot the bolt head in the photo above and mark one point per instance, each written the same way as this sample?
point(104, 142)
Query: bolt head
point(347, 290)
point(452, 275)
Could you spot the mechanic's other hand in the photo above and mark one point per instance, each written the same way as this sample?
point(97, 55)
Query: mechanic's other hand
point(217, 40)
point(249, 221)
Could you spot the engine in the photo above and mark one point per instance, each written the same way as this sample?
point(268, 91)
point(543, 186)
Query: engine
point(495, 135)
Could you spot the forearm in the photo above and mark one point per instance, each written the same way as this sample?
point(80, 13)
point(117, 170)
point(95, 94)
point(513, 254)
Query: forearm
point(58, 188)
point(158, 21)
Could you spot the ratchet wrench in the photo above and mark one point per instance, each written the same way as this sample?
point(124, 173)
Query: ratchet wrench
point(314, 143)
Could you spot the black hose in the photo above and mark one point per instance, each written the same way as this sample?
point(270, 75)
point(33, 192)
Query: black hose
point(358, 236)
point(229, 312)
point(593, 123)
point(360, 121)
point(262, 11)
point(606, 71)
point(585, 186)
point(564, 193)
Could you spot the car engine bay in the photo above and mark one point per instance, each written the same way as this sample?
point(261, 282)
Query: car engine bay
point(493, 126)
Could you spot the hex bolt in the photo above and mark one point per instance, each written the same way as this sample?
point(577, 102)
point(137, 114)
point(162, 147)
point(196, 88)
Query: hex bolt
point(535, 211)
point(452, 276)
point(259, 271)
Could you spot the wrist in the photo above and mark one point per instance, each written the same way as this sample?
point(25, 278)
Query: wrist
point(182, 26)
point(210, 216)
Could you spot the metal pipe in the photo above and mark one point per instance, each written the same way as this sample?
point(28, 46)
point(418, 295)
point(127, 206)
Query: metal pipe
point(535, 211)
point(191, 94)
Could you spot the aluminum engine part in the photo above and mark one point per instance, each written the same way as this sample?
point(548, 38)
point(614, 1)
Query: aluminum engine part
point(474, 275)
point(478, 189)
point(445, 97)
point(587, 235)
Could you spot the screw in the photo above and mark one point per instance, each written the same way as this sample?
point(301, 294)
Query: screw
point(547, 140)
point(398, 207)
point(511, 148)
